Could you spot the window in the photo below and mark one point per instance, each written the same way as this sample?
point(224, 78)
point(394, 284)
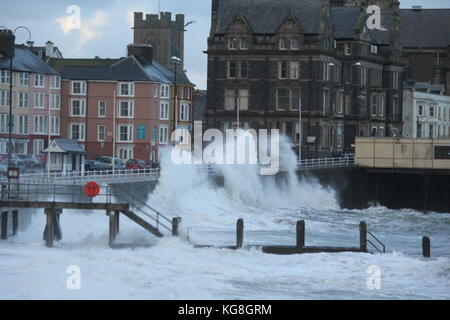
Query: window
point(431, 111)
point(431, 132)
point(56, 82)
point(101, 133)
point(295, 44)
point(381, 105)
point(78, 107)
point(244, 44)
point(125, 133)
point(39, 100)
point(55, 101)
point(232, 69)
point(282, 99)
point(4, 123)
point(77, 131)
point(363, 76)
point(164, 91)
point(232, 44)
point(126, 89)
point(78, 87)
point(442, 152)
point(24, 79)
point(102, 109)
point(125, 153)
point(54, 126)
point(163, 135)
point(283, 69)
point(4, 98)
point(419, 130)
point(38, 146)
point(243, 69)
point(420, 110)
point(5, 77)
point(188, 95)
point(155, 91)
point(282, 45)
point(164, 111)
point(340, 102)
point(40, 124)
point(184, 114)
point(374, 49)
point(326, 100)
point(23, 124)
point(395, 78)
point(294, 69)
point(295, 99)
point(236, 98)
point(347, 49)
point(125, 109)
point(374, 107)
point(340, 136)
point(39, 80)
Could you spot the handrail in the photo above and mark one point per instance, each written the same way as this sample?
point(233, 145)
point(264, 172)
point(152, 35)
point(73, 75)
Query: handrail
point(377, 240)
point(327, 162)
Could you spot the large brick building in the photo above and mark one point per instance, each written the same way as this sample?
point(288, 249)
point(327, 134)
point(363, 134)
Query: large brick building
point(266, 58)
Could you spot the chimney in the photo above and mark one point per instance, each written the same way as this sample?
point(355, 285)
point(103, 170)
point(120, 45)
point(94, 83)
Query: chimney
point(49, 49)
point(144, 52)
point(7, 40)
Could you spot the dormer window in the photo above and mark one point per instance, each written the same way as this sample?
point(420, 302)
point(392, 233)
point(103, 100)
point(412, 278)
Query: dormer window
point(282, 45)
point(295, 44)
point(232, 44)
point(244, 44)
point(347, 49)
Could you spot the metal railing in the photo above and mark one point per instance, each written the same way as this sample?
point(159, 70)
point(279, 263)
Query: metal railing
point(27, 192)
point(383, 247)
point(80, 177)
point(320, 163)
point(142, 207)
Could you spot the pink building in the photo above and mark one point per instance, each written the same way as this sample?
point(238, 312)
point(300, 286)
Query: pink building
point(35, 103)
point(116, 107)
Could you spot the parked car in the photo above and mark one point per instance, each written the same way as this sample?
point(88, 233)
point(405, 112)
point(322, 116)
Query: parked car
point(107, 162)
point(31, 160)
point(94, 165)
point(135, 164)
point(16, 163)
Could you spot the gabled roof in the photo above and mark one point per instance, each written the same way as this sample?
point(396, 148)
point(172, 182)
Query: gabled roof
point(344, 21)
point(265, 16)
point(425, 28)
point(26, 61)
point(65, 145)
point(123, 69)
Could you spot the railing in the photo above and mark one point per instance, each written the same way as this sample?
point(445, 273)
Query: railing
point(27, 192)
point(140, 205)
point(319, 163)
point(77, 176)
point(383, 247)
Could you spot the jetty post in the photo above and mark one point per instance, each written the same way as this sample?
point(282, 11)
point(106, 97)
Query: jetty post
point(4, 227)
point(15, 221)
point(363, 236)
point(300, 234)
point(426, 247)
point(175, 226)
point(239, 234)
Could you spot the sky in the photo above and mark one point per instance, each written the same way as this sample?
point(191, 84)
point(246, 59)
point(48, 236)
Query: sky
point(105, 28)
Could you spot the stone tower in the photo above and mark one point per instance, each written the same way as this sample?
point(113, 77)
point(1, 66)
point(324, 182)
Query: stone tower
point(166, 36)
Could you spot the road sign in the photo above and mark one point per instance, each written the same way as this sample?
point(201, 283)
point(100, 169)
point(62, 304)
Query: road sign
point(140, 132)
point(92, 189)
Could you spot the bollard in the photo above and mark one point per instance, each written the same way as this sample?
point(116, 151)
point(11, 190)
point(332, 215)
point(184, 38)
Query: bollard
point(112, 228)
point(49, 228)
point(4, 227)
point(175, 225)
point(239, 234)
point(363, 236)
point(426, 247)
point(15, 221)
point(300, 234)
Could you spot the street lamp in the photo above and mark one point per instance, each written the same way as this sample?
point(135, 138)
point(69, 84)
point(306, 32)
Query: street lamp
point(30, 42)
point(176, 61)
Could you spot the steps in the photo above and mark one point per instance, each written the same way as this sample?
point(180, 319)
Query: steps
point(144, 224)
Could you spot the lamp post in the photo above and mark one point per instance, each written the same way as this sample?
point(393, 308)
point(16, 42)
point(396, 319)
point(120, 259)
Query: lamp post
point(176, 61)
point(11, 58)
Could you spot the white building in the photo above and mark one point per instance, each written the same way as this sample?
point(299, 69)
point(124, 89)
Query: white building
point(426, 111)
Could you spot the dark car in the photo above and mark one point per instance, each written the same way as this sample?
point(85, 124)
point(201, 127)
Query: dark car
point(93, 165)
point(135, 164)
point(31, 160)
point(15, 163)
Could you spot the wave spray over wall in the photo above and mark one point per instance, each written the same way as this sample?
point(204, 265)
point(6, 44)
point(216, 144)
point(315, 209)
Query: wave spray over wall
point(188, 191)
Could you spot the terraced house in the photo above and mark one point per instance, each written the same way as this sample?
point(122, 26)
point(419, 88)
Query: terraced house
point(120, 107)
point(35, 102)
point(274, 62)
